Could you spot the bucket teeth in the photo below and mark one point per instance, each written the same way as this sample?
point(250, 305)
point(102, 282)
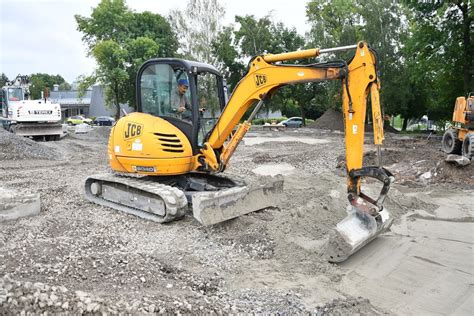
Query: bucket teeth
point(355, 231)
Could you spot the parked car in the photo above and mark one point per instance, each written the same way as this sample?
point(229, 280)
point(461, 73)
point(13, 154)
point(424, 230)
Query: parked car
point(104, 121)
point(78, 119)
point(292, 122)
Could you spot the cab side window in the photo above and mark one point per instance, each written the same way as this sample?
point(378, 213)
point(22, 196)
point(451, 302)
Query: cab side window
point(208, 102)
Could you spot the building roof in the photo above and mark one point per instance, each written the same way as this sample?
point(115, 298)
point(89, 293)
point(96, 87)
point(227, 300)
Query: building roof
point(71, 97)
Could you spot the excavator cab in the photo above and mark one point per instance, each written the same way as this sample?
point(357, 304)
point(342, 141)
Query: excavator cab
point(163, 85)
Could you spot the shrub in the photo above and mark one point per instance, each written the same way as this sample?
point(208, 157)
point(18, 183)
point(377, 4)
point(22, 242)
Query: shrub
point(262, 121)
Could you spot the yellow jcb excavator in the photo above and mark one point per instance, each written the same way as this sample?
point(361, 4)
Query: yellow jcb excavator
point(163, 163)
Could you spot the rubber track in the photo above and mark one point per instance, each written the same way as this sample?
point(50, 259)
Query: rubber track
point(175, 201)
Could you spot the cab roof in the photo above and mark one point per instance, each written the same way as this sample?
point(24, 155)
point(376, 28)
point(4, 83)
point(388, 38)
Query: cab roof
point(190, 66)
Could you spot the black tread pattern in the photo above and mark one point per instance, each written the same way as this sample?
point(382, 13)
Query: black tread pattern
point(451, 143)
point(176, 204)
point(468, 146)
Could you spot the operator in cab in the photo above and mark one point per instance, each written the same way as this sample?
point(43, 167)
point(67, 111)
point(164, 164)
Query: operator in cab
point(181, 104)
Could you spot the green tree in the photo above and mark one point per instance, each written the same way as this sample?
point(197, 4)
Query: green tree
point(3, 80)
point(291, 98)
point(110, 20)
point(386, 31)
point(333, 23)
point(256, 37)
point(197, 27)
point(121, 40)
point(155, 27)
point(138, 50)
point(253, 36)
point(228, 58)
point(65, 86)
point(383, 25)
point(111, 72)
point(439, 52)
point(40, 82)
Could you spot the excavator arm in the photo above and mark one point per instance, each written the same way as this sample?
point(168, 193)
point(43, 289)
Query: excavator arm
point(359, 79)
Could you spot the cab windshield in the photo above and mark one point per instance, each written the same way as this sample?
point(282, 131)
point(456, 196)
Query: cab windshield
point(15, 94)
point(160, 93)
point(165, 92)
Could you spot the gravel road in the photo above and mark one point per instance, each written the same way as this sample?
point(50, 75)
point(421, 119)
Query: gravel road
point(80, 257)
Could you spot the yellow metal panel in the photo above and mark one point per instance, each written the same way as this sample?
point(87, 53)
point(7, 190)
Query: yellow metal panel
point(234, 142)
point(459, 109)
point(361, 74)
point(301, 54)
point(166, 166)
point(144, 140)
point(376, 114)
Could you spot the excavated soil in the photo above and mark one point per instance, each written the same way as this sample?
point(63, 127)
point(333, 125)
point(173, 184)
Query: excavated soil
point(14, 147)
point(333, 120)
point(79, 257)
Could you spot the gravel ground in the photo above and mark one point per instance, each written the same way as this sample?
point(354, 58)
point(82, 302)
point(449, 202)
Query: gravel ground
point(79, 257)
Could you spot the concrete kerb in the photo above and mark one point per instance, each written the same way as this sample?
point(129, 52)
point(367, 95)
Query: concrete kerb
point(14, 205)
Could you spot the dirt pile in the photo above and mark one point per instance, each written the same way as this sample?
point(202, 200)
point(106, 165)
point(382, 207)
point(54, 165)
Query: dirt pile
point(13, 147)
point(101, 132)
point(333, 120)
point(97, 133)
point(417, 161)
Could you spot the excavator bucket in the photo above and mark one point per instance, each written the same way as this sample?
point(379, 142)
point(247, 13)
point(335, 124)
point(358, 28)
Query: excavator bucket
point(366, 219)
point(355, 231)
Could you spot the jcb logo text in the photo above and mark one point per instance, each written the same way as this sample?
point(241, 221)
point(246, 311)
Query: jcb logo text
point(260, 79)
point(133, 130)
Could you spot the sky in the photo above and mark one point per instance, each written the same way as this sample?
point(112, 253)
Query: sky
point(40, 36)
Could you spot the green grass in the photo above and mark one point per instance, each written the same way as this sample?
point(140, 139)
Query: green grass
point(397, 122)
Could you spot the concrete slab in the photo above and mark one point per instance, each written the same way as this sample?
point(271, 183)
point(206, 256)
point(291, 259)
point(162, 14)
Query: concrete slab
point(82, 128)
point(424, 266)
point(14, 204)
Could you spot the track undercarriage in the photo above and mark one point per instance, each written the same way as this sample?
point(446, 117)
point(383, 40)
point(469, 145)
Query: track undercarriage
point(212, 199)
